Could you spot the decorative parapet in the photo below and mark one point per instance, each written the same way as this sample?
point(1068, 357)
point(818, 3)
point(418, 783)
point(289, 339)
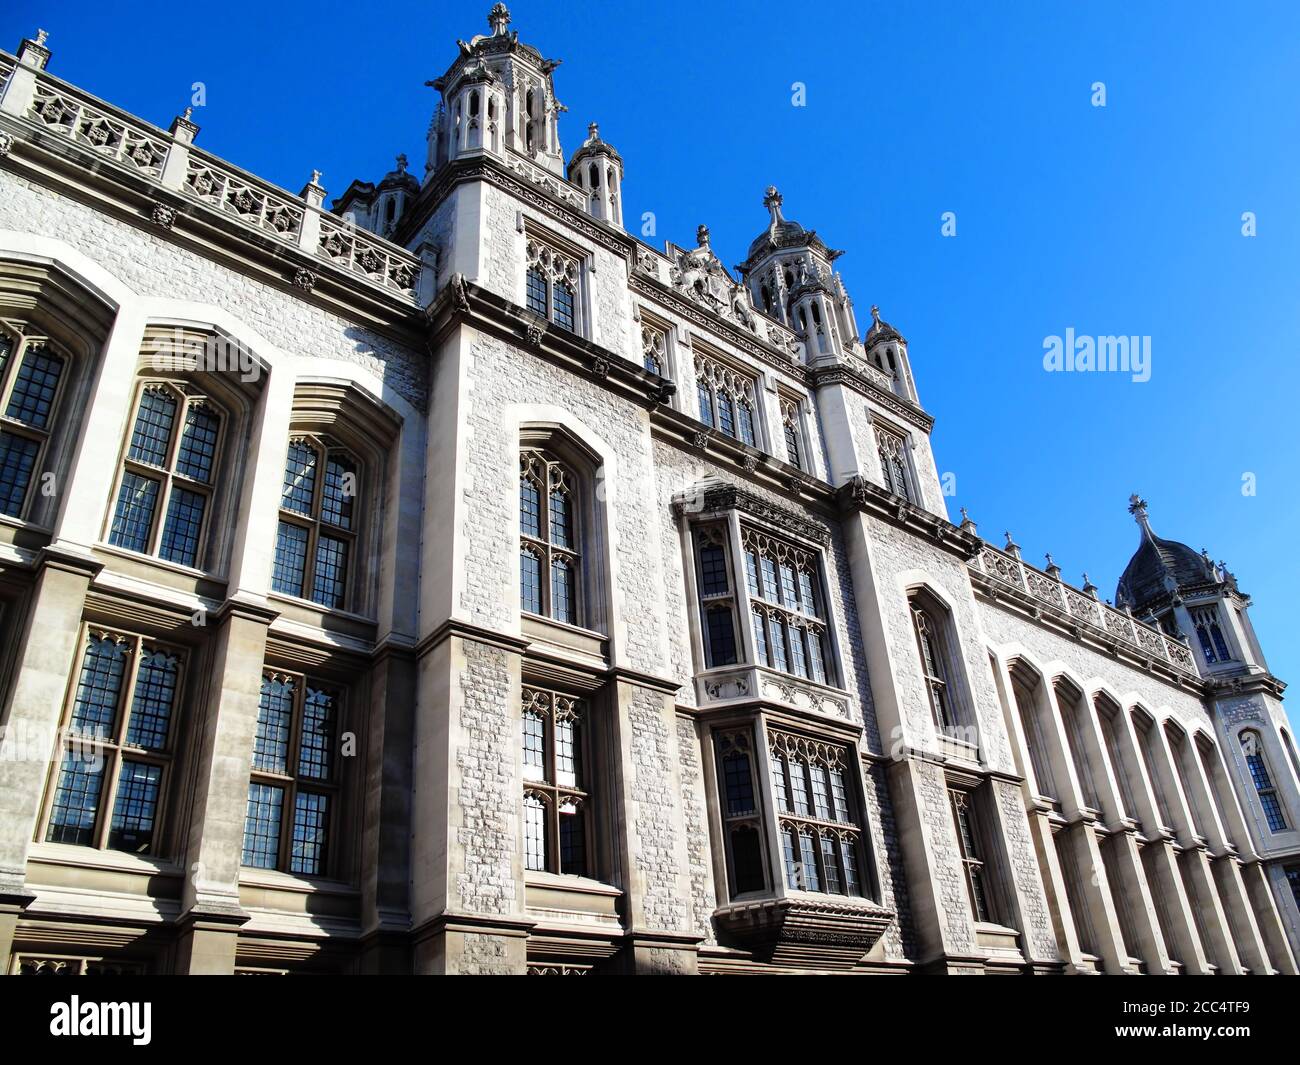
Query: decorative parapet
point(806, 931)
point(754, 683)
point(1081, 608)
point(170, 161)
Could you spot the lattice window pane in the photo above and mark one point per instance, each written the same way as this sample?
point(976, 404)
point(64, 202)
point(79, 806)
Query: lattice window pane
point(713, 571)
point(530, 582)
point(76, 799)
point(290, 559)
point(534, 833)
point(792, 444)
point(329, 587)
point(791, 848)
point(760, 637)
point(135, 808)
point(99, 687)
point(751, 572)
point(821, 797)
point(568, 767)
point(152, 435)
point(310, 829)
point(839, 795)
point(816, 657)
point(560, 532)
point(799, 788)
point(262, 825)
point(564, 304)
point(137, 501)
point(198, 448)
point(340, 491)
point(151, 705)
point(32, 396)
point(781, 783)
point(812, 880)
point(274, 721)
point(745, 420)
point(721, 634)
point(534, 746)
point(776, 642)
point(536, 297)
point(314, 754)
point(299, 478)
point(706, 404)
point(562, 604)
point(180, 536)
point(798, 658)
point(530, 507)
point(738, 781)
point(849, 855)
point(17, 462)
point(769, 580)
point(831, 865)
point(726, 415)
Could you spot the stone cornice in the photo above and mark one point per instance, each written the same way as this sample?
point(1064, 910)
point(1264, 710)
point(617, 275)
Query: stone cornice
point(826, 376)
point(1250, 684)
point(860, 495)
point(724, 495)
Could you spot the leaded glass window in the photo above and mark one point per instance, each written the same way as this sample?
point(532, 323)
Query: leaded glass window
point(726, 397)
point(118, 743)
point(742, 814)
point(551, 285)
point(970, 843)
point(1210, 634)
point(557, 797)
point(316, 538)
point(654, 349)
point(793, 433)
point(550, 539)
point(1252, 749)
point(31, 373)
point(717, 598)
point(167, 483)
point(789, 625)
point(891, 449)
point(932, 646)
point(820, 836)
point(293, 787)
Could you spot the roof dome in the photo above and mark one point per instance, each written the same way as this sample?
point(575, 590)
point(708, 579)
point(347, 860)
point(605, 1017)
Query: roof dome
point(783, 233)
point(1159, 567)
point(400, 178)
point(880, 330)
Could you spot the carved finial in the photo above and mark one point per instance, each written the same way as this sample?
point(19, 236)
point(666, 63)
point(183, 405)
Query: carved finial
point(1137, 506)
point(593, 132)
point(702, 236)
point(402, 163)
point(964, 515)
point(1052, 568)
point(966, 524)
point(42, 36)
point(188, 112)
point(1088, 587)
point(875, 314)
point(315, 177)
point(499, 19)
point(772, 201)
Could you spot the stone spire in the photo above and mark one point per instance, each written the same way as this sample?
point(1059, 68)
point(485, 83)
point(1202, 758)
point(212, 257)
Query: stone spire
point(499, 19)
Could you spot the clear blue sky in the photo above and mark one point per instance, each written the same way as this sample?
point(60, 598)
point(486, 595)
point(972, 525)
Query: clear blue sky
point(1117, 220)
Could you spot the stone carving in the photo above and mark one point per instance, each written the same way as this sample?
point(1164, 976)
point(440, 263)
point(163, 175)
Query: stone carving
point(700, 275)
point(304, 279)
point(459, 294)
point(162, 215)
point(6, 143)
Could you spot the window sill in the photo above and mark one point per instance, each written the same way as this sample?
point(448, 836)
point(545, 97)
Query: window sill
point(565, 637)
point(93, 857)
point(252, 877)
point(157, 563)
point(746, 682)
point(571, 899)
point(316, 611)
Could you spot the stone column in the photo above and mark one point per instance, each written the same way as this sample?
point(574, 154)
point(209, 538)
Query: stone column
point(386, 813)
point(467, 877)
point(211, 913)
point(650, 850)
point(1130, 883)
point(42, 671)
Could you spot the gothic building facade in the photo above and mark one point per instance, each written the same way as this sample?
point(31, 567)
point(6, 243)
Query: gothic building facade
point(447, 581)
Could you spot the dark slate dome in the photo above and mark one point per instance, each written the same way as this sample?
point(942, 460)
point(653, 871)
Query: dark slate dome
point(1159, 567)
point(783, 233)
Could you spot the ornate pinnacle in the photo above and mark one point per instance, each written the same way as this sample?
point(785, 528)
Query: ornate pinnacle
point(315, 177)
point(499, 19)
point(188, 112)
point(1088, 587)
point(593, 132)
point(42, 36)
point(772, 201)
point(402, 163)
point(702, 236)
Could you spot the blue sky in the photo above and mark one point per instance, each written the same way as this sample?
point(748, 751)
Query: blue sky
point(1117, 220)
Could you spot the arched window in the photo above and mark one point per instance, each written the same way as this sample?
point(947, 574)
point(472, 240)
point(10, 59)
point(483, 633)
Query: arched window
point(1213, 646)
point(1252, 749)
point(892, 451)
point(726, 398)
point(930, 627)
point(319, 516)
point(790, 425)
point(551, 285)
point(654, 348)
point(550, 555)
point(556, 795)
point(169, 472)
point(787, 607)
point(31, 371)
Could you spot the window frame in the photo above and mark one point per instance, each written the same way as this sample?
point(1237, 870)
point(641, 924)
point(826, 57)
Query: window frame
point(740, 738)
point(938, 623)
point(548, 704)
point(323, 446)
point(558, 264)
point(293, 782)
point(976, 864)
point(794, 428)
point(718, 376)
point(1208, 624)
point(22, 340)
point(186, 396)
point(1262, 779)
point(542, 546)
point(114, 748)
point(894, 455)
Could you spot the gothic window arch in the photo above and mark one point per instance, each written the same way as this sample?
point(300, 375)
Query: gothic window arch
point(1252, 749)
point(895, 467)
point(822, 848)
point(561, 529)
point(654, 348)
point(939, 662)
point(321, 508)
point(557, 790)
point(787, 607)
point(792, 430)
point(727, 398)
point(972, 847)
point(33, 372)
point(1209, 634)
point(552, 283)
point(170, 472)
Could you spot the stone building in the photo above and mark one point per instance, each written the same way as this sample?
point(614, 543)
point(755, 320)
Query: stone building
point(449, 582)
